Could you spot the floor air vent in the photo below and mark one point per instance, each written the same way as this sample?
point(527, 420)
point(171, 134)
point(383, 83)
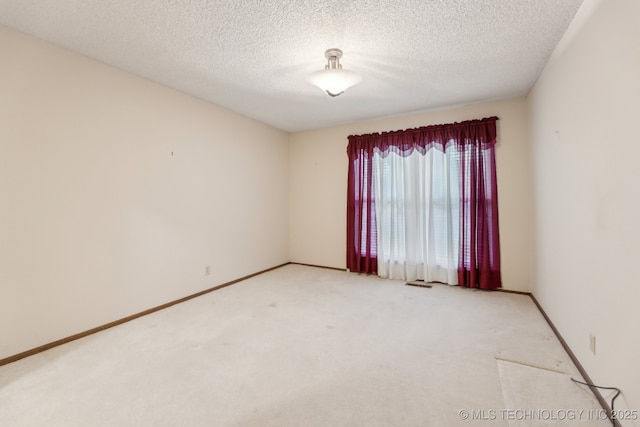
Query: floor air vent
point(419, 283)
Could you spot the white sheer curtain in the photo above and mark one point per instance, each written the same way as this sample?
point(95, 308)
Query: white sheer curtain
point(417, 211)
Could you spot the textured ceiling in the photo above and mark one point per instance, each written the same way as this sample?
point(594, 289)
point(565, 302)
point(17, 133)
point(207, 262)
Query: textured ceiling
point(252, 56)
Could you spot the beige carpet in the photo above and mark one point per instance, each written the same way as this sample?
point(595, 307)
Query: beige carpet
point(298, 346)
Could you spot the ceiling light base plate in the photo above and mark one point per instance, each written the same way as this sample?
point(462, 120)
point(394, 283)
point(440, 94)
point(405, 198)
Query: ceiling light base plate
point(333, 53)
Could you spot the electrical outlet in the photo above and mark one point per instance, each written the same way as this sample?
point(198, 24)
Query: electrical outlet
point(592, 343)
point(207, 270)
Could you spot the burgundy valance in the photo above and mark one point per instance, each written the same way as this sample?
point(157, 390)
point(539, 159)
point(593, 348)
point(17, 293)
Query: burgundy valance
point(481, 132)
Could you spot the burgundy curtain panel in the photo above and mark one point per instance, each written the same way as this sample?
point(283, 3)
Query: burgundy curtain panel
point(474, 141)
point(479, 246)
point(361, 217)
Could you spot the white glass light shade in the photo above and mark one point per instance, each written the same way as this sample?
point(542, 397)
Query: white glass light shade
point(334, 81)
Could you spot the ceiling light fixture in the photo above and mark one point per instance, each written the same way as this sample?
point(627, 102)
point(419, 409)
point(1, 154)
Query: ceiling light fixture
point(333, 79)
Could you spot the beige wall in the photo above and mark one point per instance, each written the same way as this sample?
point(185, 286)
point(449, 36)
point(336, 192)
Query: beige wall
point(318, 171)
point(585, 147)
point(98, 219)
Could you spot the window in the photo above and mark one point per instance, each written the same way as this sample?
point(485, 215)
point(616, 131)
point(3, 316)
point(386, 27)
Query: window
point(422, 204)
